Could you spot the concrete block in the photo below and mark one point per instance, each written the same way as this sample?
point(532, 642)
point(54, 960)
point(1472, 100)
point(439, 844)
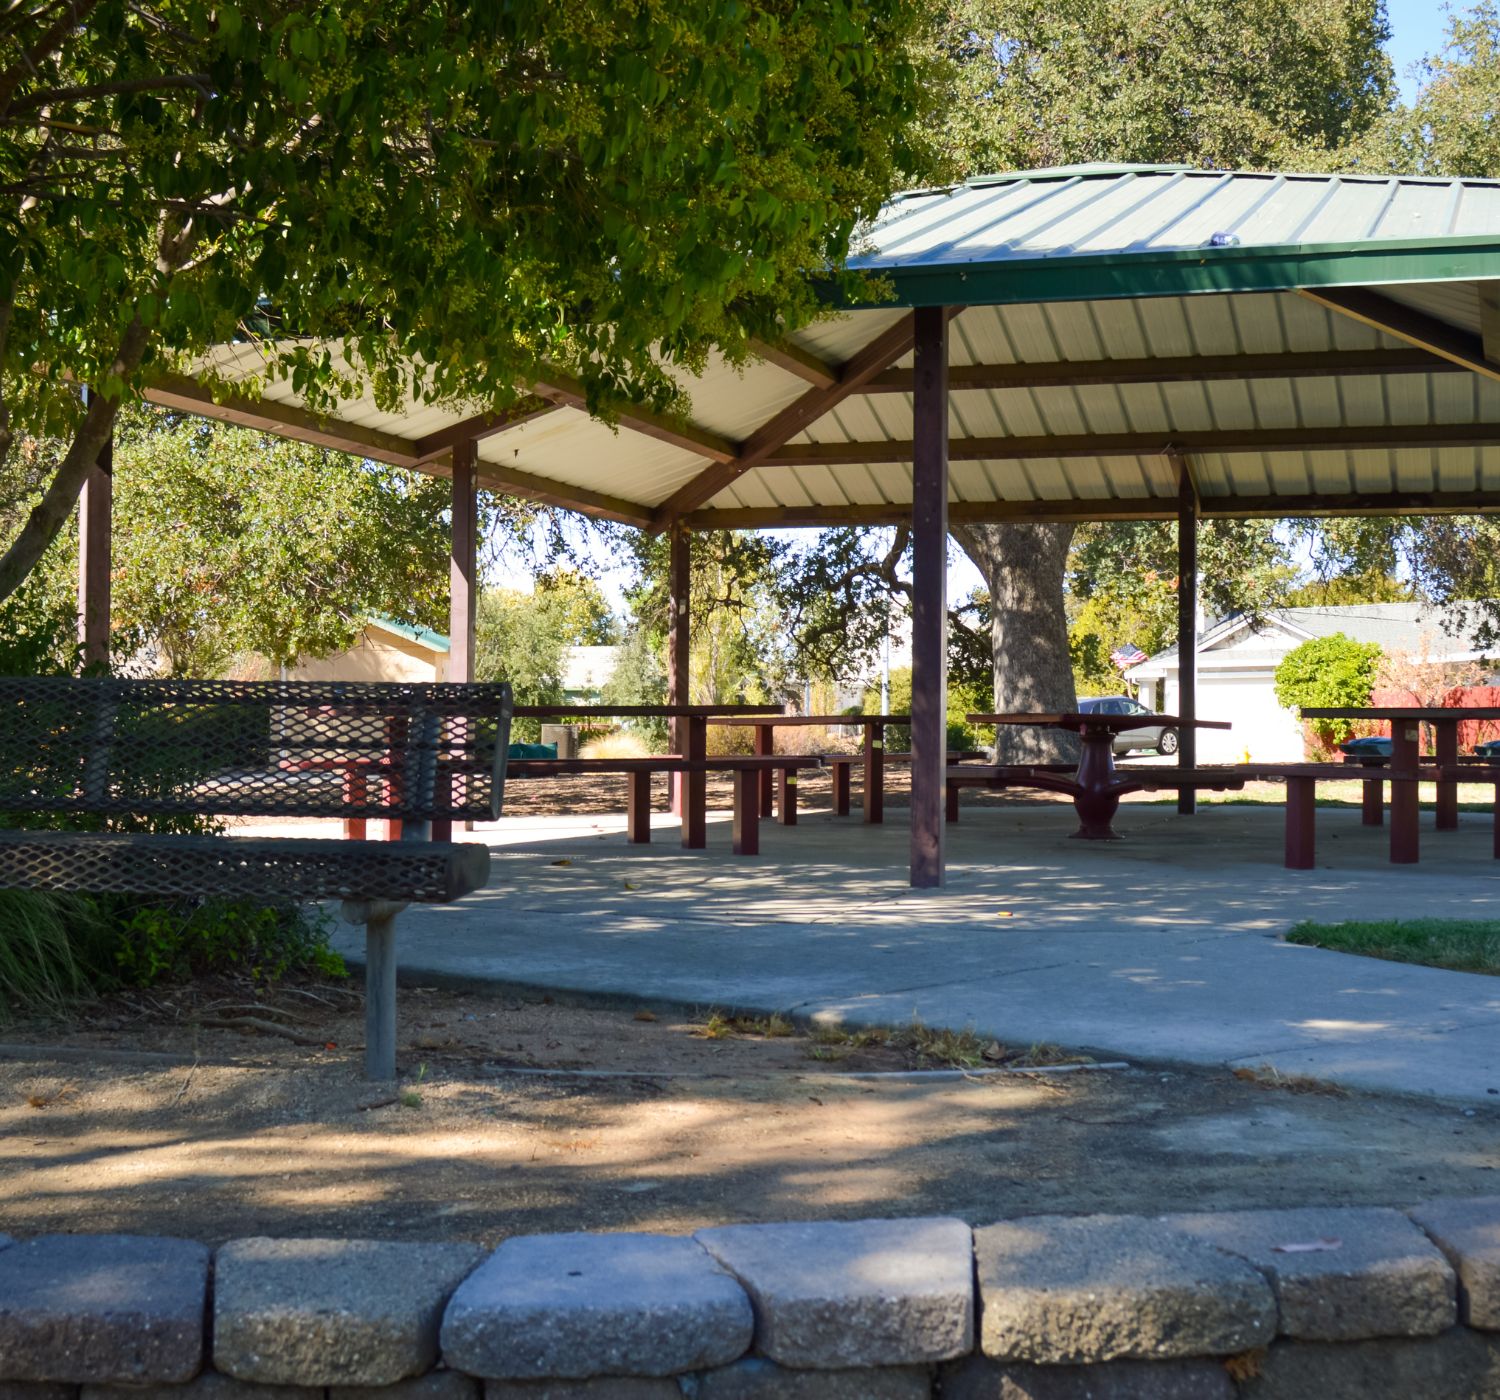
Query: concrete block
point(332, 1312)
point(1059, 1291)
point(575, 1306)
point(105, 1308)
point(755, 1378)
point(1468, 1233)
point(37, 1390)
point(979, 1378)
point(211, 1385)
point(435, 1385)
point(839, 1294)
point(1381, 1277)
point(1459, 1365)
point(603, 1388)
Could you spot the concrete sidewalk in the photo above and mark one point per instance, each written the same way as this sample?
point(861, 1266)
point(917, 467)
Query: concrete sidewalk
point(1164, 946)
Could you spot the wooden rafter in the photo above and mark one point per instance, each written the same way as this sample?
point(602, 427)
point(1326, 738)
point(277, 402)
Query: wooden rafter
point(1126, 508)
point(1183, 369)
point(890, 345)
point(281, 420)
point(795, 360)
point(484, 425)
point(509, 480)
point(1000, 449)
point(568, 393)
point(1414, 327)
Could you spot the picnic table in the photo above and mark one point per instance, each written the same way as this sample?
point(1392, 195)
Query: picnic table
point(873, 747)
point(694, 780)
point(1406, 736)
point(1097, 786)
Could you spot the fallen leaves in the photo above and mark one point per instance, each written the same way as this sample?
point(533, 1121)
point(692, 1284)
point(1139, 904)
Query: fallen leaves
point(47, 1100)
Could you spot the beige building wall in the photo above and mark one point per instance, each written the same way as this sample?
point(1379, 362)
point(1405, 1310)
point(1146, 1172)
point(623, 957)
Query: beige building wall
point(378, 655)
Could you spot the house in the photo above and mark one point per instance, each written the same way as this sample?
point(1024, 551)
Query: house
point(586, 671)
point(1237, 664)
point(383, 651)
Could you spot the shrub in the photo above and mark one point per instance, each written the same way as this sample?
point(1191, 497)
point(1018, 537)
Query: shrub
point(621, 744)
point(1328, 672)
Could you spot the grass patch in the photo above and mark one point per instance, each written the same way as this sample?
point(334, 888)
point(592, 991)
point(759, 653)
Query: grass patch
point(1462, 945)
point(721, 1025)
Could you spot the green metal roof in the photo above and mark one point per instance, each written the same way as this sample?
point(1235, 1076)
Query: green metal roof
point(1074, 233)
point(425, 636)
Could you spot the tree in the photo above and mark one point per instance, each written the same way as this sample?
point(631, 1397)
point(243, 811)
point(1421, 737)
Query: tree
point(400, 197)
point(1328, 672)
point(1238, 83)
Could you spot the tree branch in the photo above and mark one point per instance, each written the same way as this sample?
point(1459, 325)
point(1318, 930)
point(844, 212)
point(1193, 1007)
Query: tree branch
point(75, 12)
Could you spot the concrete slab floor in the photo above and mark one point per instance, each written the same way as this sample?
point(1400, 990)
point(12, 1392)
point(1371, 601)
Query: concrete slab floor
point(1165, 946)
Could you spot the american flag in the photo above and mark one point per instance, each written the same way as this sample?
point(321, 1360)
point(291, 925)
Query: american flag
point(1127, 656)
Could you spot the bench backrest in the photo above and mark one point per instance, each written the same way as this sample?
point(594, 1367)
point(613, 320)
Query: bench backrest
point(252, 748)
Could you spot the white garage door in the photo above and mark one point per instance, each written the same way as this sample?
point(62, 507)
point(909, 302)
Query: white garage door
point(1263, 732)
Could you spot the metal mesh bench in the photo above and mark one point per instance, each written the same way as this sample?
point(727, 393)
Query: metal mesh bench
point(109, 753)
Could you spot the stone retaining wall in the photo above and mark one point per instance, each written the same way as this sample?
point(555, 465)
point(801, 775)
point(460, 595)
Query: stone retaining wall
point(1322, 1303)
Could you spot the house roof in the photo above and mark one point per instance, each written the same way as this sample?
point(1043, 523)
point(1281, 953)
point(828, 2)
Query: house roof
point(1295, 344)
point(422, 636)
point(1392, 626)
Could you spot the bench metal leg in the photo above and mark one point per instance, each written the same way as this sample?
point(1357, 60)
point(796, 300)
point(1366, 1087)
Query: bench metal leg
point(1372, 807)
point(380, 996)
point(787, 797)
point(1301, 815)
point(841, 789)
point(746, 812)
point(638, 809)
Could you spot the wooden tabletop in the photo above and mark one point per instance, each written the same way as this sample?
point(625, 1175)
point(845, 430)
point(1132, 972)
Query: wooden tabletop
point(823, 719)
point(1074, 719)
point(640, 711)
point(1431, 716)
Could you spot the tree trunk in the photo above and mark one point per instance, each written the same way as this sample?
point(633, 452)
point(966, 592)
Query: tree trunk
point(1023, 566)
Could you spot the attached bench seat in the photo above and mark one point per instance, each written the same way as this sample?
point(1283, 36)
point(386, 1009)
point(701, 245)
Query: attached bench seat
point(1302, 781)
point(638, 773)
point(1062, 778)
point(241, 867)
point(841, 765)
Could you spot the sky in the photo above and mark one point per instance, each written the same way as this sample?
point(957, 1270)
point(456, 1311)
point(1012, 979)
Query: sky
point(1417, 29)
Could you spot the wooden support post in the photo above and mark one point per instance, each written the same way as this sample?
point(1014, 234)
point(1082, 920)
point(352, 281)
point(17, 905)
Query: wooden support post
point(1187, 632)
point(380, 993)
point(1446, 736)
point(840, 773)
point(1301, 816)
point(765, 746)
point(746, 812)
point(950, 809)
point(929, 628)
point(462, 566)
point(95, 541)
point(1405, 794)
point(875, 772)
point(463, 555)
point(1495, 822)
point(786, 797)
point(1372, 806)
point(679, 600)
point(638, 808)
point(695, 786)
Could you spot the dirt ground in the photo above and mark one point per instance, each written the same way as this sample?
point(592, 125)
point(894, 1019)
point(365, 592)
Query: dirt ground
point(143, 1115)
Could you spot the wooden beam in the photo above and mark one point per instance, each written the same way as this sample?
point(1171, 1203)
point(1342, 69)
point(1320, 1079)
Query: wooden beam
point(1187, 478)
point(679, 641)
point(280, 420)
point(1414, 327)
point(483, 425)
point(510, 481)
point(890, 345)
point(1187, 629)
point(1125, 508)
point(929, 612)
point(1001, 449)
point(1489, 320)
point(795, 360)
point(463, 574)
point(95, 551)
point(1057, 374)
point(568, 393)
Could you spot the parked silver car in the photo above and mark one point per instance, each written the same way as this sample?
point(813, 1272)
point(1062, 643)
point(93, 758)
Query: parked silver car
point(1161, 737)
